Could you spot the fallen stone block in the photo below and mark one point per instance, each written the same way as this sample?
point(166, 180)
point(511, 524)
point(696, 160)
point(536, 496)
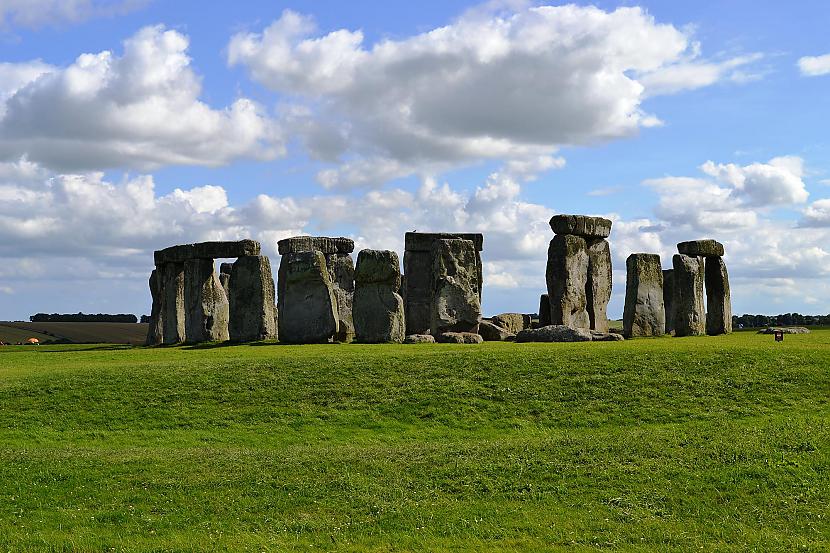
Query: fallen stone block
point(419, 339)
point(597, 336)
point(459, 338)
point(512, 322)
point(554, 333)
point(493, 333)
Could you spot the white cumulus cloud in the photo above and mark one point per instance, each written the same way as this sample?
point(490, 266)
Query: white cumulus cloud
point(814, 66)
point(137, 110)
point(509, 84)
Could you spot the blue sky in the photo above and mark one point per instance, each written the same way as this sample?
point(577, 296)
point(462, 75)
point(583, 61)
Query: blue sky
point(129, 126)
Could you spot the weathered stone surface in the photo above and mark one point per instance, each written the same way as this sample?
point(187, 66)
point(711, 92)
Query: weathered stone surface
point(785, 330)
point(512, 322)
point(206, 306)
point(341, 272)
point(689, 314)
point(378, 310)
point(252, 297)
point(491, 332)
point(423, 241)
point(418, 265)
point(705, 248)
point(554, 333)
point(306, 302)
point(459, 338)
point(544, 310)
point(718, 298)
point(206, 250)
point(567, 274)
point(172, 302)
point(668, 299)
point(598, 289)
point(155, 332)
point(597, 336)
point(224, 280)
point(644, 313)
point(419, 339)
point(456, 303)
point(322, 244)
point(581, 225)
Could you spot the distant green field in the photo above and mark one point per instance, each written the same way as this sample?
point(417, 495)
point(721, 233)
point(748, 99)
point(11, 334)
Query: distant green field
point(694, 444)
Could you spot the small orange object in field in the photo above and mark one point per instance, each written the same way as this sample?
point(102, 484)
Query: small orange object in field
point(33, 341)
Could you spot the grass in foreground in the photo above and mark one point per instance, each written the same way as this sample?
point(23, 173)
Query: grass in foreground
point(664, 445)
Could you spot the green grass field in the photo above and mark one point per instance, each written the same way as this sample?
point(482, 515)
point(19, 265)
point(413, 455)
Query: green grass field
point(696, 444)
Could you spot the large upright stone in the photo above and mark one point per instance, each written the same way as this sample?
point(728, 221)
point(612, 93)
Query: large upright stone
point(690, 314)
point(698, 248)
point(566, 275)
point(251, 298)
point(225, 277)
point(644, 313)
point(598, 288)
point(206, 306)
point(172, 302)
point(456, 304)
point(718, 300)
point(378, 308)
point(544, 310)
point(341, 272)
point(306, 302)
point(581, 225)
point(418, 263)
point(339, 263)
point(668, 299)
point(155, 332)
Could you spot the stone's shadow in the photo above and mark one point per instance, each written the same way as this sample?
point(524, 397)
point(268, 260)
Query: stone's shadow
point(108, 347)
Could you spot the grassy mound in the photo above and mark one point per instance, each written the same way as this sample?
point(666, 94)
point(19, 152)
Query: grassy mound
point(664, 444)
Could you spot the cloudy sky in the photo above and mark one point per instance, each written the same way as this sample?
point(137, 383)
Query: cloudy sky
point(128, 126)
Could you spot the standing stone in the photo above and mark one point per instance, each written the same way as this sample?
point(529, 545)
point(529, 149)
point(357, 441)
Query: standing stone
point(456, 304)
point(378, 309)
point(718, 300)
point(418, 263)
point(172, 303)
point(206, 306)
point(567, 275)
point(340, 266)
point(668, 299)
point(251, 300)
point(341, 272)
point(306, 302)
point(155, 333)
point(644, 313)
point(598, 287)
point(225, 277)
point(690, 315)
point(544, 310)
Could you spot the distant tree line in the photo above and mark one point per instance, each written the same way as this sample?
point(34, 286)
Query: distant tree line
point(82, 318)
point(786, 319)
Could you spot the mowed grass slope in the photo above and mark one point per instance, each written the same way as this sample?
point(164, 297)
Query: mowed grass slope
point(713, 444)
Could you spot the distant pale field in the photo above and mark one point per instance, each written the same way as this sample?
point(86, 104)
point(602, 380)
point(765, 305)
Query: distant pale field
point(705, 444)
